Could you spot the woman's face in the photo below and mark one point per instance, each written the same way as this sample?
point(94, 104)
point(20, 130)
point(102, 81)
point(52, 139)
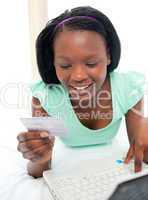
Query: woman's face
point(80, 60)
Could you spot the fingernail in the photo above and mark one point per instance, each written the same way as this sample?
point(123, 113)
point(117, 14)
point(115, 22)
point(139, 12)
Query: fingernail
point(126, 161)
point(44, 134)
point(137, 169)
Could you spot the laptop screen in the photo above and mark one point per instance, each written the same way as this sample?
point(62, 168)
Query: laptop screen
point(135, 189)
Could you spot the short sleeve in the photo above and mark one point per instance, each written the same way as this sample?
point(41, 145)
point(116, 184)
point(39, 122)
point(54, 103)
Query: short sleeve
point(134, 85)
point(51, 96)
point(40, 90)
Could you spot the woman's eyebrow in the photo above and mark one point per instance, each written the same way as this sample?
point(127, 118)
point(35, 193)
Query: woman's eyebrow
point(63, 57)
point(87, 56)
point(92, 56)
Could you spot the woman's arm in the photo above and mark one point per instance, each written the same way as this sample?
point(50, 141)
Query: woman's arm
point(137, 129)
point(37, 110)
point(34, 169)
point(133, 119)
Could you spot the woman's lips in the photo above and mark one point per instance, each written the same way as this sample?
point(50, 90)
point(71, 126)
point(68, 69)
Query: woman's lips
point(83, 90)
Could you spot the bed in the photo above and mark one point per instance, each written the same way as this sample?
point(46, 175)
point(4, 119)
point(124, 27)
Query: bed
point(16, 184)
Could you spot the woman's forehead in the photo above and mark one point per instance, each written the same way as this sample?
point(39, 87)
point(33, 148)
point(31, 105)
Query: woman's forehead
point(88, 41)
point(79, 36)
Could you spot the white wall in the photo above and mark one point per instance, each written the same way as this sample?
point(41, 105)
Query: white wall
point(15, 67)
point(38, 16)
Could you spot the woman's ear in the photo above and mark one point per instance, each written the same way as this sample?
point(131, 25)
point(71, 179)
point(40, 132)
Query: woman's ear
point(108, 57)
point(108, 61)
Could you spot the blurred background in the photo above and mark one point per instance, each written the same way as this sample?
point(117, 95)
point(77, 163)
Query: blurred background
point(21, 21)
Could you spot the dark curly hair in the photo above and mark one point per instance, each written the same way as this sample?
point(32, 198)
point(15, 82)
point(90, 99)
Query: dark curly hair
point(102, 25)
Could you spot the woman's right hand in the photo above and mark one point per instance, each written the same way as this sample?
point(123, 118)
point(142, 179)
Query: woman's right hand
point(36, 146)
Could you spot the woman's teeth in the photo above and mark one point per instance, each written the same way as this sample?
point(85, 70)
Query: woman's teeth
point(81, 88)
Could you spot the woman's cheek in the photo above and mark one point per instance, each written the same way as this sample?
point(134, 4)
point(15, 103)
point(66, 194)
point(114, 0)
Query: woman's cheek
point(59, 74)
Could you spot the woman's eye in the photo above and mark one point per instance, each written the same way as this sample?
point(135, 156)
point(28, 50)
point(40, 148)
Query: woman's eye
point(91, 64)
point(65, 66)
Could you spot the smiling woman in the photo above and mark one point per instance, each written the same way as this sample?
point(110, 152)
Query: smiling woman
point(77, 55)
point(84, 69)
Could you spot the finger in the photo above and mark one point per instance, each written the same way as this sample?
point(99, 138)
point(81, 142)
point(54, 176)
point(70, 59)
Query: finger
point(145, 158)
point(130, 154)
point(39, 153)
point(32, 135)
point(139, 154)
point(31, 144)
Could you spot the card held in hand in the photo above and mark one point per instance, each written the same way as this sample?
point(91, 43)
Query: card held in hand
point(53, 126)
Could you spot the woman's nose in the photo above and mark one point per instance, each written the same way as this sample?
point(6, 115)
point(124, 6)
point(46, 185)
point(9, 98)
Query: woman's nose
point(79, 73)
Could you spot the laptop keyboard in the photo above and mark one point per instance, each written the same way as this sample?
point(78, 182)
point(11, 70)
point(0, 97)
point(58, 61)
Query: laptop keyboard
point(92, 186)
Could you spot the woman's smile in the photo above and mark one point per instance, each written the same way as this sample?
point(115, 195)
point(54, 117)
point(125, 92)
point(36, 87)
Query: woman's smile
point(80, 87)
point(83, 91)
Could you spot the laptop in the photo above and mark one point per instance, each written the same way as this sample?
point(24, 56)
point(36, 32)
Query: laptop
point(135, 189)
point(94, 179)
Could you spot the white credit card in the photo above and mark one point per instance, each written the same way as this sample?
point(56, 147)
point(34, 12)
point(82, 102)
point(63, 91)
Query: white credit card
point(53, 126)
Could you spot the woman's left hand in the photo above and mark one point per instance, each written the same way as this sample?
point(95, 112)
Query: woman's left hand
point(139, 148)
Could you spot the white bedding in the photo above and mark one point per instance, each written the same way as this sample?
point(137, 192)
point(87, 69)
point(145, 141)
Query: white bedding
point(16, 184)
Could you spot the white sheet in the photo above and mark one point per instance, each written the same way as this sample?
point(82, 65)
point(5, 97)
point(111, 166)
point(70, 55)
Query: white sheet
point(16, 184)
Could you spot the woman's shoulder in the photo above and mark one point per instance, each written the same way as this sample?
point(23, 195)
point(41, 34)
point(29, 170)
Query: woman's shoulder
point(129, 80)
point(39, 86)
point(128, 87)
point(48, 92)
point(50, 96)
point(130, 76)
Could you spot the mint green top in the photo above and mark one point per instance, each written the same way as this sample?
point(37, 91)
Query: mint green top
point(126, 88)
